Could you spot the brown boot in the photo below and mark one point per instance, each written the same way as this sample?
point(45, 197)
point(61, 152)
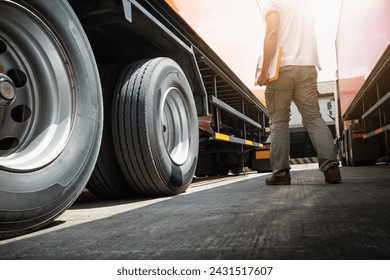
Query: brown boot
point(286, 180)
point(332, 175)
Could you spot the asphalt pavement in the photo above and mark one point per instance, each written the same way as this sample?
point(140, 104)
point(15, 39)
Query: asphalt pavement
point(233, 217)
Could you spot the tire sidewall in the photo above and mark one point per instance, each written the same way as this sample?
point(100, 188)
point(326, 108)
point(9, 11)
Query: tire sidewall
point(166, 74)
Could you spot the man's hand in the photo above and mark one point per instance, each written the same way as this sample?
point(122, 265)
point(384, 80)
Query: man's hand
point(263, 79)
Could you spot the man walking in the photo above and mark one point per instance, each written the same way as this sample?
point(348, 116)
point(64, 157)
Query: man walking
point(290, 25)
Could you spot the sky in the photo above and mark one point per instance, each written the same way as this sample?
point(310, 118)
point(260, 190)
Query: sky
point(235, 31)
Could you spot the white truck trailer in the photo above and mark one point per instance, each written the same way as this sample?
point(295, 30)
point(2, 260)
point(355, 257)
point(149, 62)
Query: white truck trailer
point(363, 98)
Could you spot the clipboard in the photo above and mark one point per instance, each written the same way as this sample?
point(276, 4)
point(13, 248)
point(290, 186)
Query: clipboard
point(273, 72)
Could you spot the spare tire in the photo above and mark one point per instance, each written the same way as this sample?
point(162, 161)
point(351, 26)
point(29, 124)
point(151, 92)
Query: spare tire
point(50, 135)
point(155, 127)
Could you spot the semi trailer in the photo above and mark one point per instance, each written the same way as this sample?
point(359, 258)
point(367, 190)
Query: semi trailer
point(362, 103)
point(122, 97)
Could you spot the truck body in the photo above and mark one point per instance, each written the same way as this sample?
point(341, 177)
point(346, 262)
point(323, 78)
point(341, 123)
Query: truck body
point(363, 97)
point(122, 97)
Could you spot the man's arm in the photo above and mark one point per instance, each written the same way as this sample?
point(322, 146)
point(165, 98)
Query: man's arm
point(270, 44)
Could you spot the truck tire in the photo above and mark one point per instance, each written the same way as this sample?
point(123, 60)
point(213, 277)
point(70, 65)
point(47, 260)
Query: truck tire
point(50, 135)
point(155, 127)
point(107, 180)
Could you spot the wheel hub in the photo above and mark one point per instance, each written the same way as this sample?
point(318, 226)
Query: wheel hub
point(36, 91)
point(175, 125)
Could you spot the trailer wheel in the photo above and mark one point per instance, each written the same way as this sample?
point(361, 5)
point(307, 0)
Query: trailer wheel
point(155, 127)
point(50, 134)
point(107, 180)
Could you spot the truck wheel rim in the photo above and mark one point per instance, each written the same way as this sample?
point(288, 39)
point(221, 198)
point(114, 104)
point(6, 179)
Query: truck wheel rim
point(176, 132)
point(35, 128)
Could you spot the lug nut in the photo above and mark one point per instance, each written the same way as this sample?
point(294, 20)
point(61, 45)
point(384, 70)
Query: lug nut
point(7, 90)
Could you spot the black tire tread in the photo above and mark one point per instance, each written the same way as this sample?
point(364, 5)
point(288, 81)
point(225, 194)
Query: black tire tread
point(107, 180)
point(133, 155)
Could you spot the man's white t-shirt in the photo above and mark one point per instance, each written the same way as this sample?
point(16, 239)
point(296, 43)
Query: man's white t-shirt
point(296, 31)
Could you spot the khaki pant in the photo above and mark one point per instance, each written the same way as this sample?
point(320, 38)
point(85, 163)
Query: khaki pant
point(298, 83)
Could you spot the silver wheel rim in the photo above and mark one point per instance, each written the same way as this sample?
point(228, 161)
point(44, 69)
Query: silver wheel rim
point(175, 125)
point(35, 128)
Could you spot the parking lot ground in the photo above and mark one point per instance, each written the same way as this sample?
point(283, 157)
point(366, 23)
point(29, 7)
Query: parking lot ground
point(233, 217)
